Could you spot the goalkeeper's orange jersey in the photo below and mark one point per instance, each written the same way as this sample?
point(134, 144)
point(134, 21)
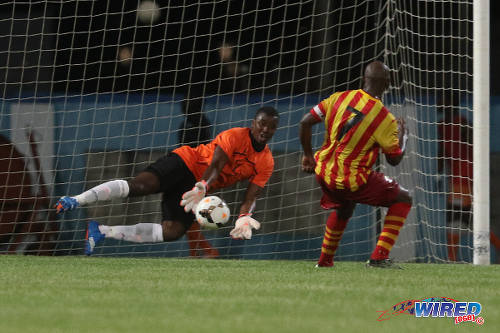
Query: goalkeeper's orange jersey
point(357, 125)
point(244, 161)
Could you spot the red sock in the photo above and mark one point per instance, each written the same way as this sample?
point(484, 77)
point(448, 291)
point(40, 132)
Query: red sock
point(495, 240)
point(453, 240)
point(333, 233)
point(197, 242)
point(394, 220)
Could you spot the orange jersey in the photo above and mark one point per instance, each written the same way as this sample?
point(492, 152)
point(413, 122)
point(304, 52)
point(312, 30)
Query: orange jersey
point(456, 148)
point(458, 153)
point(357, 125)
point(244, 162)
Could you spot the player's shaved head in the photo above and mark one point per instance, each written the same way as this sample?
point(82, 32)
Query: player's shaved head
point(376, 78)
point(377, 70)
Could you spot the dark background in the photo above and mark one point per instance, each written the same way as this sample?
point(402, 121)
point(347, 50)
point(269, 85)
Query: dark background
point(71, 47)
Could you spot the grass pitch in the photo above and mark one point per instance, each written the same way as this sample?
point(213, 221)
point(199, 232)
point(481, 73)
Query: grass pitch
point(78, 294)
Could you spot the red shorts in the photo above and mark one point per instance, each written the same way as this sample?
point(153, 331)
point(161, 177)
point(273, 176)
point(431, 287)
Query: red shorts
point(379, 190)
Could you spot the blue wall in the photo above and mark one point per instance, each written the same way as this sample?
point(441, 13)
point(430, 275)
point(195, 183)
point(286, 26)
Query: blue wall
point(124, 122)
point(121, 122)
point(495, 124)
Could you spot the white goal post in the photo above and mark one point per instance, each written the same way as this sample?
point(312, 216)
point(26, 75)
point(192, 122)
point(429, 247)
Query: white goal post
point(95, 90)
point(481, 109)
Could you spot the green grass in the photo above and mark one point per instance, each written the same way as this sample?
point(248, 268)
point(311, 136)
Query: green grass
point(77, 294)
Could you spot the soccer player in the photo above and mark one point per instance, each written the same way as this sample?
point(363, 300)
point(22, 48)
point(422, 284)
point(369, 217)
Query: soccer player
point(234, 155)
point(357, 125)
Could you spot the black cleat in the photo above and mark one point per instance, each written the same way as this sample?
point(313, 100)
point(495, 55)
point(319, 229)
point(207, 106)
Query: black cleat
point(382, 263)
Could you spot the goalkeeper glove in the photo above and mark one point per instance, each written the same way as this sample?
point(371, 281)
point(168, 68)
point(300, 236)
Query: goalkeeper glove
point(243, 227)
point(190, 199)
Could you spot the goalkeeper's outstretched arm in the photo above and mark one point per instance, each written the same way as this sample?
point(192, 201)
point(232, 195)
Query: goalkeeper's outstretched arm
point(191, 198)
point(251, 195)
point(219, 160)
point(245, 223)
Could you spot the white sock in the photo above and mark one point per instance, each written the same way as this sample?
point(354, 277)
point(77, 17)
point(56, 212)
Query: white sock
point(107, 191)
point(139, 233)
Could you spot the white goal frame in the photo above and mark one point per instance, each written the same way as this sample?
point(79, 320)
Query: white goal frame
point(481, 127)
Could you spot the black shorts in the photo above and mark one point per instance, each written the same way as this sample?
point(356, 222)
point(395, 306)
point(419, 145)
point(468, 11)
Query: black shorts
point(175, 179)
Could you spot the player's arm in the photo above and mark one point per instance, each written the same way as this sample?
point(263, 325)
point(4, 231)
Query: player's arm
point(219, 160)
point(251, 195)
point(191, 198)
point(305, 134)
point(395, 159)
point(245, 223)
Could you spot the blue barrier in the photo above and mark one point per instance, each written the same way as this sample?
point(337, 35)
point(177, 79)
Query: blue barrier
point(115, 122)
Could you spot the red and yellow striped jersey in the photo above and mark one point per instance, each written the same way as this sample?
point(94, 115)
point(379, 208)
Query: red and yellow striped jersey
point(357, 125)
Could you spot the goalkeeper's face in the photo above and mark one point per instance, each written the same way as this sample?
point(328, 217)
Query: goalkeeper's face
point(263, 127)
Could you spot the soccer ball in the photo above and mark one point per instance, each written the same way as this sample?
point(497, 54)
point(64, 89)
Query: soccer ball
point(212, 212)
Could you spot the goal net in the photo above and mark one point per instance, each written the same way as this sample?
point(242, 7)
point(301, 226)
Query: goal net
point(429, 46)
point(96, 90)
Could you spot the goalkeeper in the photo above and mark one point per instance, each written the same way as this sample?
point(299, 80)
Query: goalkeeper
point(357, 126)
point(234, 155)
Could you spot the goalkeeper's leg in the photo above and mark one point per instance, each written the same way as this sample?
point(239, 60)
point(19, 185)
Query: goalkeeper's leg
point(138, 233)
point(107, 191)
point(145, 183)
point(145, 232)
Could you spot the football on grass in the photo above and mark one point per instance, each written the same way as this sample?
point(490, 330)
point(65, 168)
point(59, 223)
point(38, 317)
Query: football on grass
point(212, 212)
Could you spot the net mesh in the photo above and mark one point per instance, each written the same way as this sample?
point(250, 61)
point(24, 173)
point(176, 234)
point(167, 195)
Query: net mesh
point(97, 90)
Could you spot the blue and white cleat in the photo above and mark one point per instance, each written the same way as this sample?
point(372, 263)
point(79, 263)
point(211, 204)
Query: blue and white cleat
point(65, 204)
point(93, 237)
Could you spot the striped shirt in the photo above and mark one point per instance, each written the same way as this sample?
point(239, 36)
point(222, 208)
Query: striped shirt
point(357, 126)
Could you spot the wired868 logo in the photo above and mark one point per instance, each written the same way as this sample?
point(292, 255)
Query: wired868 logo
point(436, 307)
